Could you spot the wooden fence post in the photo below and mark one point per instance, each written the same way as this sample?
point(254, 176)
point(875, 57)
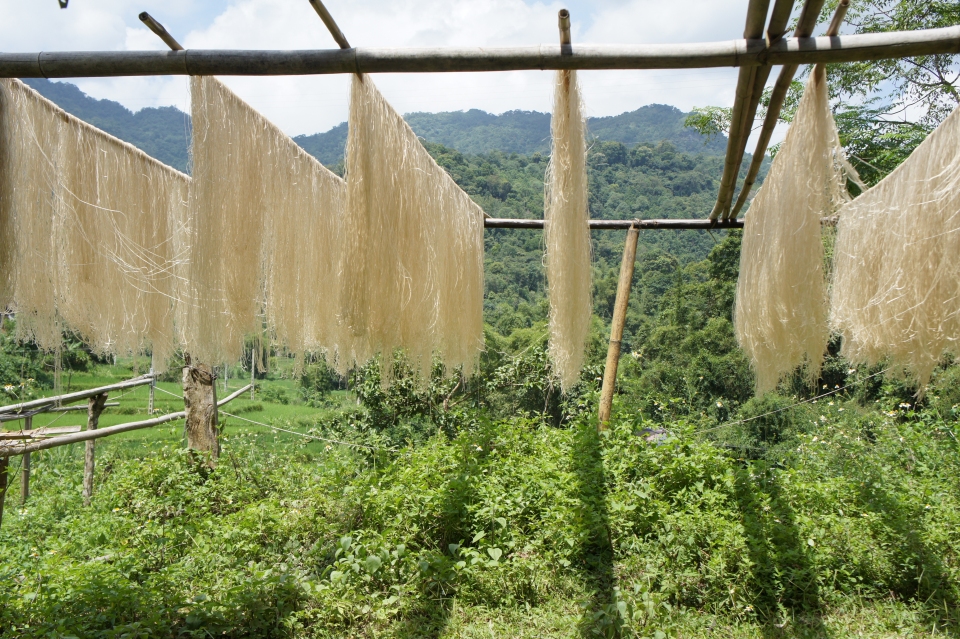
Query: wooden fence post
point(616, 327)
point(200, 406)
point(153, 387)
point(4, 464)
point(94, 408)
point(25, 466)
point(25, 479)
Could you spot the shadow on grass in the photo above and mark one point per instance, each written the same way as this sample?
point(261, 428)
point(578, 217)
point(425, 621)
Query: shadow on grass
point(787, 594)
point(923, 577)
point(600, 617)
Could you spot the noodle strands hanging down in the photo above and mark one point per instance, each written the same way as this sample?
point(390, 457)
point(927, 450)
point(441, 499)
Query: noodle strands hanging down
point(780, 314)
point(567, 232)
point(413, 247)
point(266, 232)
point(92, 231)
point(896, 280)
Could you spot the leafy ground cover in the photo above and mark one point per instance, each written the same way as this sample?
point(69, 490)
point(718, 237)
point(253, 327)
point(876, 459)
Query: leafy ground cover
point(505, 527)
point(491, 506)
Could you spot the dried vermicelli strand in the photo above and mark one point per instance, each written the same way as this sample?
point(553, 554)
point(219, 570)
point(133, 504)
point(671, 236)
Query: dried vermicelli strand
point(302, 247)
point(227, 224)
point(413, 247)
point(96, 241)
point(567, 233)
point(7, 220)
point(266, 243)
point(896, 277)
point(29, 211)
point(780, 313)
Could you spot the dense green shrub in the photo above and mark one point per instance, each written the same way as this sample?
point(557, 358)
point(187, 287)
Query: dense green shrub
point(636, 528)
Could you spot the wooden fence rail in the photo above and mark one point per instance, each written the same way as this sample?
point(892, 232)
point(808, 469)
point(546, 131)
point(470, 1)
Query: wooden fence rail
point(19, 448)
point(44, 403)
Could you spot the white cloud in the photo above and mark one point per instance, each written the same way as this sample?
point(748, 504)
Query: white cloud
point(316, 103)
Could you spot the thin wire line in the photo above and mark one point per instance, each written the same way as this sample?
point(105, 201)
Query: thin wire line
point(806, 401)
point(168, 392)
point(293, 432)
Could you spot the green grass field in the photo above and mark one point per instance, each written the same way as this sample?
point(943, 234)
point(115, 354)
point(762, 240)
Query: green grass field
point(168, 399)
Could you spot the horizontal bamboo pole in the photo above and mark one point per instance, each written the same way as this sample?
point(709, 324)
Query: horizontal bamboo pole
point(7, 450)
point(36, 433)
point(507, 223)
point(69, 398)
point(733, 53)
point(63, 409)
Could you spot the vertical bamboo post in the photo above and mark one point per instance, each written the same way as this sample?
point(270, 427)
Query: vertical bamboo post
point(25, 466)
point(94, 408)
point(226, 376)
point(153, 387)
point(253, 369)
point(616, 327)
point(4, 464)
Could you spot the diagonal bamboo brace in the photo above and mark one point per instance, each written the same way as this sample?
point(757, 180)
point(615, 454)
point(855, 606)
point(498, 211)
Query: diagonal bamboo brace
point(616, 327)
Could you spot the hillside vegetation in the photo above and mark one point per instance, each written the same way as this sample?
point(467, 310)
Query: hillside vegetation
point(526, 132)
point(492, 507)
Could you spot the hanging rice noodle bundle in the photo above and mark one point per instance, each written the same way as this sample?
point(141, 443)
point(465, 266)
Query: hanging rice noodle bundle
point(781, 302)
point(413, 242)
point(896, 280)
point(92, 231)
point(266, 241)
point(567, 232)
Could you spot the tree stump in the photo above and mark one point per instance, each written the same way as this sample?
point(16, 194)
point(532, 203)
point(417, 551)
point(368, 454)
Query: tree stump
point(200, 405)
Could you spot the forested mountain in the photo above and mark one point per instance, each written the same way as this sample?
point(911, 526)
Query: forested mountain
point(527, 132)
point(165, 132)
point(646, 181)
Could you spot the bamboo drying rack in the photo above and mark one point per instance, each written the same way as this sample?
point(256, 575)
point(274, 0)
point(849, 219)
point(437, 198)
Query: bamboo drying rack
point(754, 55)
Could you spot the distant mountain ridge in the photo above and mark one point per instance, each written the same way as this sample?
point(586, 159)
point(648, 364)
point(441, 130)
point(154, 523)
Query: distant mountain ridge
point(525, 132)
point(164, 132)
